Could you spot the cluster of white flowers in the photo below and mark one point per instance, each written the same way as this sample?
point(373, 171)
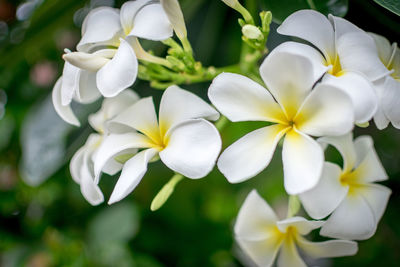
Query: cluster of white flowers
point(344, 78)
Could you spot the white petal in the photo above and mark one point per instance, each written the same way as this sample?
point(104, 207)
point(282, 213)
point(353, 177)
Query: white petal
point(360, 90)
point(324, 198)
point(343, 26)
point(311, 26)
point(289, 78)
point(255, 230)
point(89, 189)
point(81, 168)
point(380, 118)
point(353, 219)
point(302, 226)
point(119, 73)
point(114, 144)
point(377, 197)
point(391, 101)
point(128, 12)
point(70, 83)
point(384, 47)
point(302, 160)
point(357, 51)
point(65, 112)
point(328, 249)
point(289, 256)
point(112, 167)
point(255, 218)
point(141, 116)
point(262, 252)
point(112, 107)
point(101, 27)
point(369, 167)
point(178, 105)
point(251, 154)
point(131, 175)
point(241, 99)
point(192, 148)
point(87, 91)
point(344, 144)
point(175, 16)
point(316, 58)
point(152, 23)
point(76, 164)
point(326, 111)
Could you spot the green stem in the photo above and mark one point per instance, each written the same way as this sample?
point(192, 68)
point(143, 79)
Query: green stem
point(245, 13)
point(157, 60)
point(311, 4)
point(187, 47)
point(251, 6)
point(221, 123)
point(293, 206)
point(167, 77)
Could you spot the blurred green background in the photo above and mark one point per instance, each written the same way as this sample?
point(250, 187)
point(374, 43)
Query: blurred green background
point(44, 220)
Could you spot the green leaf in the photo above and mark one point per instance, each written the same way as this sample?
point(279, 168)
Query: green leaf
point(115, 224)
point(281, 9)
point(43, 139)
point(392, 5)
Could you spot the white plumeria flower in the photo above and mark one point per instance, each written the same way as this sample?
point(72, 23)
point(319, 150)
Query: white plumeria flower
point(348, 51)
point(95, 70)
point(261, 236)
point(350, 193)
point(184, 141)
point(81, 165)
point(388, 88)
point(296, 110)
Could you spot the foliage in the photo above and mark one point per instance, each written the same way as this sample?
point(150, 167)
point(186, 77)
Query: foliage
point(52, 225)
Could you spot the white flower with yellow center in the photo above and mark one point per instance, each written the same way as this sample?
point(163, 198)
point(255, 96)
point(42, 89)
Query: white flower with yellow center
point(261, 236)
point(349, 52)
point(297, 111)
point(182, 138)
point(81, 165)
point(350, 194)
point(388, 88)
point(106, 62)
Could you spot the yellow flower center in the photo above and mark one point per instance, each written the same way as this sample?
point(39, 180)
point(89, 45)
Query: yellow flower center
point(391, 66)
point(336, 69)
point(351, 180)
point(159, 139)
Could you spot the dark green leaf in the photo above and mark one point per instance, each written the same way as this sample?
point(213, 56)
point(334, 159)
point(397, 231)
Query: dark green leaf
point(392, 5)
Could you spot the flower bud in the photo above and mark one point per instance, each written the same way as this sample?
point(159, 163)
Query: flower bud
point(91, 62)
point(252, 32)
point(231, 3)
point(175, 16)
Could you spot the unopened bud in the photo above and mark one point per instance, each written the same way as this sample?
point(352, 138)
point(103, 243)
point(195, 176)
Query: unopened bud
point(252, 32)
point(86, 61)
point(175, 17)
point(231, 3)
